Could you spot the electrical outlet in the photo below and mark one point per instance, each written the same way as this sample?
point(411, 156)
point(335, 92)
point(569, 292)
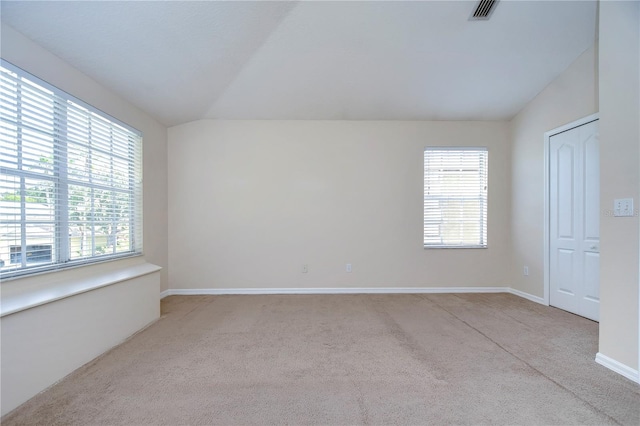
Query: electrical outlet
point(305, 269)
point(623, 207)
point(526, 271)
point(348, 267)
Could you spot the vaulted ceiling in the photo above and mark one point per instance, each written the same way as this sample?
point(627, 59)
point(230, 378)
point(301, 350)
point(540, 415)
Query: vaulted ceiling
point(395, 60)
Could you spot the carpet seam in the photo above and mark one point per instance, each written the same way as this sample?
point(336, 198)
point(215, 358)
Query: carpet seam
point(364, 413)
point(597, 410)
point(407, 342)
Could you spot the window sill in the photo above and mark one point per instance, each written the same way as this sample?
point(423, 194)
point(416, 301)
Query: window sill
point(21, 294)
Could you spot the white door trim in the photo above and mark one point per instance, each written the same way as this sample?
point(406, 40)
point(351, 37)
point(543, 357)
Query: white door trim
point(547, 136)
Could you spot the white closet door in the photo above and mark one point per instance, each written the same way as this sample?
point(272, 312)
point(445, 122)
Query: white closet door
point(574, 213)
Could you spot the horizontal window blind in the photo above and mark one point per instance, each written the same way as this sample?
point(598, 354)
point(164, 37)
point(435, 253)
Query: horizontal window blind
point(455, 197)
point(70, 179)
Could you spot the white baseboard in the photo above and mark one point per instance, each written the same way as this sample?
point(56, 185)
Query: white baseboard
point(332, 290)
point(618, 367)
point(528, 296)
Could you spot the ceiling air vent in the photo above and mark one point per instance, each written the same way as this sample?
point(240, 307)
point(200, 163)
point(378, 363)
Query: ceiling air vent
point(483, 10)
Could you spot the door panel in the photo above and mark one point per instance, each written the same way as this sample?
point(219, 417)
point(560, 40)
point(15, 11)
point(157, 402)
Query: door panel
point(565, 171)
point(592, 188)
point(591, 274)
point(565, 271)
point(574, 220)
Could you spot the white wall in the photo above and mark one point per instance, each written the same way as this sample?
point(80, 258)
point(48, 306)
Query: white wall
point(620, 178)
point(573, 95)
point(27, 55)
point(250, 202)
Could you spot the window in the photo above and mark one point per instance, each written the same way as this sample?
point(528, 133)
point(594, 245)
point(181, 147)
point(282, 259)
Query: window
point(455, 197)
point(70, 179)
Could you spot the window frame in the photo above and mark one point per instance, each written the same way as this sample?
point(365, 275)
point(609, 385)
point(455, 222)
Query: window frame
point(483, 197)
point(61, 257)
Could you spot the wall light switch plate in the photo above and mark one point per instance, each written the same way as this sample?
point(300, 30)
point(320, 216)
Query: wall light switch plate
point(623, 207)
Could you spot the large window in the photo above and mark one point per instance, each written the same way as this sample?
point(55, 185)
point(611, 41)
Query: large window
point(455, 197)
point(70, 179)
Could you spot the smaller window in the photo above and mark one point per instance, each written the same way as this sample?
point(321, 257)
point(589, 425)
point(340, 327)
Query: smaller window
point(455, 197)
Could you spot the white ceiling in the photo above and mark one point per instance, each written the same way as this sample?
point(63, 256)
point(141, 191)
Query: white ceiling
point(394, 60)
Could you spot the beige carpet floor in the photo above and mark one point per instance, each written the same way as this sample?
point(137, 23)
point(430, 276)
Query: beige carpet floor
point(346, 359)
